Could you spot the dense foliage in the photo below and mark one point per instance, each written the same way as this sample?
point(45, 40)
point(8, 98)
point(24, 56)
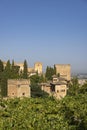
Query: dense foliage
point(35, 79)
point(44, 112)
point(35, 88)
point(50, 71)
point(73, 87)
point(37, 92)
point(69, 113)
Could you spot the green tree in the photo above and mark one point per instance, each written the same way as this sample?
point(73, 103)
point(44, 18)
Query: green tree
point(12, 66)
point(25, 71)
point(8, 66)
point(83, 89)
point(49, 72)
point(54, 70)
point(8, 70)
point(37, 92)
point(1, 66)
point(21, 74)
point(42, 78)
point(35, 88)
point(1, 71)
point(5, 76)
point(74, 110)
point(14, 71)
point(35, 79)
point(4, 87)
point(73, 87)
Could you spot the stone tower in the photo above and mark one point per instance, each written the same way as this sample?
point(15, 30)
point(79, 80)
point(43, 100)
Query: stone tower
point(18, 88)
point(64, 70)
point(38, 67)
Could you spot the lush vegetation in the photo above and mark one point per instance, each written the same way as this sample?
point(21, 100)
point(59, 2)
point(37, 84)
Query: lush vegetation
point(35, 88)
point(69, 113)
point(44, 112)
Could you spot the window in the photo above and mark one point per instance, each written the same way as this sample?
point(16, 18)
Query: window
point(18, 85)
point(53, 88)
point(23, 94)
point(63, 90)
point(57, 91)
point(54, 80)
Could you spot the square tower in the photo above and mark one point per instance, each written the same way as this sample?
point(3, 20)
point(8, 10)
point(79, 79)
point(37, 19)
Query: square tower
point(38, 67)
point(18, 88)
point(64, 70)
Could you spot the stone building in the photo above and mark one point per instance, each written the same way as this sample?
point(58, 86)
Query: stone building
point(56, 88)
point(64, 70)
point(31, 70)
point(59, 87)
point(46, 87)
point(38, 67)
point(21, 66)
point(18, 88)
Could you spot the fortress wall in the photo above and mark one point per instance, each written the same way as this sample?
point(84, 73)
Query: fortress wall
point(64, 70)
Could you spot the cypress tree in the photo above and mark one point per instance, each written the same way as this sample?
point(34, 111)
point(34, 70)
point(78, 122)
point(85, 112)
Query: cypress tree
point(1, 73)
point(1, 66)
point(49, 72)
point(5, 76)
point(8, 70)
point(25, 71)
point(14, 71)
point(12, 65)
point(4, 87)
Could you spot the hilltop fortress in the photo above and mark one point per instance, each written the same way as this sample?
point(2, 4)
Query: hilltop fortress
point(63, 69)
point(57, 87)
point(38, 68)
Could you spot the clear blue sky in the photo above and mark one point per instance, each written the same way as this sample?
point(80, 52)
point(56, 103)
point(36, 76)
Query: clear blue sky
point(49, 31)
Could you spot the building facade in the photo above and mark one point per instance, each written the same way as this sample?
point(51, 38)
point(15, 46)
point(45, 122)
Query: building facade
point(38, 67)
point(64, 70)
point(56, 88)
point(31, 70)
point(18, 88)
point(21, 66)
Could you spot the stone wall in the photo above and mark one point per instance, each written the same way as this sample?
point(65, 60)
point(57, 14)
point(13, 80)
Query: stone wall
point(64, 70)
point(38, 67)
point(18, 88)
point(46, 87)
point(21, 65)
point(60, 91)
